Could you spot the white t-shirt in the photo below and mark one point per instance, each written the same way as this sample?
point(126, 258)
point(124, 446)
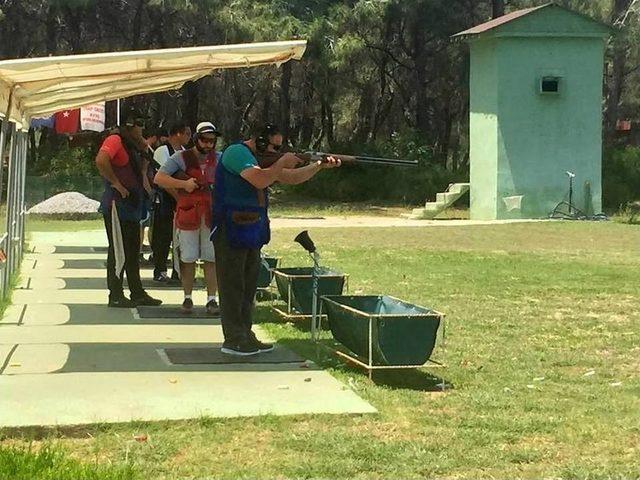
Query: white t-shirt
point(161, 155)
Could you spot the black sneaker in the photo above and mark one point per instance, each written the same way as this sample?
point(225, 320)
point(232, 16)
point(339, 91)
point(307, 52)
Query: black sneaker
point(121, 302)
point(187, 305)
point(213, 309)
point(161, 277)
point(261, 346)
point(242, 348)
point(146, 301)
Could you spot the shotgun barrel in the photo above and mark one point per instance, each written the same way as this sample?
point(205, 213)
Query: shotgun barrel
point(266, 159)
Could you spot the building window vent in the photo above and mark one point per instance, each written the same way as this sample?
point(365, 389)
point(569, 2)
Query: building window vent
point(550, 85)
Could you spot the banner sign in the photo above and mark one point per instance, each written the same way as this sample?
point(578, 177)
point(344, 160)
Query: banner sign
point(92, 117)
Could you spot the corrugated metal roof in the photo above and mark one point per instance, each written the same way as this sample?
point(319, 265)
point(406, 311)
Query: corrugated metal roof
point(496, 22)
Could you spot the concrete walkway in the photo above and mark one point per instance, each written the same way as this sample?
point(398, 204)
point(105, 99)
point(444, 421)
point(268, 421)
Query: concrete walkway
point(66, 359)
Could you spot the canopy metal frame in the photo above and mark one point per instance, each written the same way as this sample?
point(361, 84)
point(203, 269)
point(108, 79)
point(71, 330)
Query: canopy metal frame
point(12, 240)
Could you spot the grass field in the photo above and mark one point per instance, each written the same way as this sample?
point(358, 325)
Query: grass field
point(543, 352)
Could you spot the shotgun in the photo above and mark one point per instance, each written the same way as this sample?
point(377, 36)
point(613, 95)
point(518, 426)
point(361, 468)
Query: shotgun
point(266, 159)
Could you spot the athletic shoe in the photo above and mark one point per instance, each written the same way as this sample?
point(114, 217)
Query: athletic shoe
point(261, 346)
point(212, 308)
point(121, 302)
point(242, 348)
point(161, 277)
point(146, 301)
point(187, 305)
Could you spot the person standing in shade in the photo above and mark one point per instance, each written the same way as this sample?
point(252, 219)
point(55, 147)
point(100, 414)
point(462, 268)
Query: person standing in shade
point(241, 228)
point(193, 211)
point(120, 163)
point(165, 203)
point(147, 179)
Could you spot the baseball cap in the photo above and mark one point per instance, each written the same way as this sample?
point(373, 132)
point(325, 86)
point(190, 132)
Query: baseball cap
point(206, 127)
point(134, 116)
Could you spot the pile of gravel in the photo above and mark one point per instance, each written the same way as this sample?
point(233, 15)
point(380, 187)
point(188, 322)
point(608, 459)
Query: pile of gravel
point(67, 203)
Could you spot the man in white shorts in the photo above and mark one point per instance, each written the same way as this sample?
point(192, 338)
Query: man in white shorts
point(195, 169)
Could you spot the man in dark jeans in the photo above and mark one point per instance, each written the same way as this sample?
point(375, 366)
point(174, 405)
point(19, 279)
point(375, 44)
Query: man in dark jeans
point(241, 228)
point(179, 136)
point(120, 164)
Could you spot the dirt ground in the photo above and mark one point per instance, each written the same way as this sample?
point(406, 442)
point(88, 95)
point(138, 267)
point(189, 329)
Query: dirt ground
point(375, 221)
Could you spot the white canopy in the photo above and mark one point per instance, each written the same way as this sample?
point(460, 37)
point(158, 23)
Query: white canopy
point(37, 87)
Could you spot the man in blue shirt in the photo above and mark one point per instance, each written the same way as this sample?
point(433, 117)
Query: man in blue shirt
point(241, 228)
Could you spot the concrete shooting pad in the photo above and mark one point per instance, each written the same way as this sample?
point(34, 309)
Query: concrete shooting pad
point(213, 355)
point(68, 359)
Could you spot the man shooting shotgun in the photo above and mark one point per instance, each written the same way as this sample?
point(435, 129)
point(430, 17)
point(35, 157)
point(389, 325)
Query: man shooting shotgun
point(241, 227)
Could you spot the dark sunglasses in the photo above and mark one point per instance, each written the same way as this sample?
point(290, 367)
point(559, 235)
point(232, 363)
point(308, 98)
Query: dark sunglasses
point(208, 141)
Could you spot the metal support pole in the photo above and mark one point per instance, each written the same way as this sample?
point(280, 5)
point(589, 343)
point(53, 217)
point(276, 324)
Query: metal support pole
point(6, 126)
point(9, 212)
point(3, 138)
point(370, 348)
point(314, 296)
point(21, 203)
point(13, 182)
point(570, 195)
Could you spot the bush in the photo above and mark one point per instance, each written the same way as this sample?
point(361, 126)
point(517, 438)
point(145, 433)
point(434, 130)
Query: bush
point(76, 162)
point(620, 177)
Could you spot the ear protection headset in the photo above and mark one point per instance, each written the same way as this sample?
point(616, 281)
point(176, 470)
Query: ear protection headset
point(262, 140)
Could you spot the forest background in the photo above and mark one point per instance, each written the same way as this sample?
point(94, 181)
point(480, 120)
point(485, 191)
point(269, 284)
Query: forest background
point(379, 77)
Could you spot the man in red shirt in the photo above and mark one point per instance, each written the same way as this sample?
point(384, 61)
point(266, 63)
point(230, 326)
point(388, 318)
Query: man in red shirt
point(119, 162)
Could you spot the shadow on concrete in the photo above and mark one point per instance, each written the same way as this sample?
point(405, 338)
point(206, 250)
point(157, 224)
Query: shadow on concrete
point(148, 357)
point(101, 284)
point(65, 249)
point(93, 314)
point(95, 264)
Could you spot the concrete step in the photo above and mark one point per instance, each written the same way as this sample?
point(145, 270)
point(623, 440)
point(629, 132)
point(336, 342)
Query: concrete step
point(448, 198)
point(459, 188)
point(443, 201)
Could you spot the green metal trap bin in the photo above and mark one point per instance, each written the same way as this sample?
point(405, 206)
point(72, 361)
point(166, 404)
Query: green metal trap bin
point(383, 331)
point(295, 287)
point(265, 274)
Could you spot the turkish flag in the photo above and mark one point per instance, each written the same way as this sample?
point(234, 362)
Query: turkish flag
point(67, 121)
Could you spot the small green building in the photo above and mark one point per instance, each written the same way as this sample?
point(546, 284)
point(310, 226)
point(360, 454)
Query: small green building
point(535, 112)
